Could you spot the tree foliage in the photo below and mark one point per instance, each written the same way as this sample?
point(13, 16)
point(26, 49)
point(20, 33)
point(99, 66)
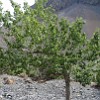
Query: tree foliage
point(41, 43)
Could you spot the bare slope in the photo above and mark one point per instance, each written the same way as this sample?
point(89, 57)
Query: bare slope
point(91, 14)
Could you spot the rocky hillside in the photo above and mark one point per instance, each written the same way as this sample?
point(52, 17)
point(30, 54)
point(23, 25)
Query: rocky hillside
point(93, 2)
point(61, 4)
point(89, 10)
point(91, 15)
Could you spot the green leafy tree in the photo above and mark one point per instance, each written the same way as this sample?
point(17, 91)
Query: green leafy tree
point(94, 55)
point(40, 40)
point(70, 43)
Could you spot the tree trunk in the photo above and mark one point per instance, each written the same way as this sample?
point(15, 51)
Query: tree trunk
point(67, 83)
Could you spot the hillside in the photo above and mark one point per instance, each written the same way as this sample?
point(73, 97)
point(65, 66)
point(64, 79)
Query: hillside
point(62, 4)
point(89, 10)
point(90, 13)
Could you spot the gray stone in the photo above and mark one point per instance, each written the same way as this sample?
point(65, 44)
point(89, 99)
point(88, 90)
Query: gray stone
point(50, 90)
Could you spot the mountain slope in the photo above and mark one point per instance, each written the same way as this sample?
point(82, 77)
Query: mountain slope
point(91, 14)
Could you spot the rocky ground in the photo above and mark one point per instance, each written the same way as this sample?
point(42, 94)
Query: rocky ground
point(25, 89)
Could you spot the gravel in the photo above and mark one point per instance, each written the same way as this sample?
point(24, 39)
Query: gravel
point(49, 90)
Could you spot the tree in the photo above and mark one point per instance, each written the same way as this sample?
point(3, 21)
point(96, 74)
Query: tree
point(94, 55)
point(69, 51)
point(42, 40)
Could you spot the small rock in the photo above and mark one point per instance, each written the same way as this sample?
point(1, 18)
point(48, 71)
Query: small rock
point(28, 80)
point(9, 96)
point(1, 97)
point(8, 80)
point(23, 75)
point(41, 81)
point(78, 95)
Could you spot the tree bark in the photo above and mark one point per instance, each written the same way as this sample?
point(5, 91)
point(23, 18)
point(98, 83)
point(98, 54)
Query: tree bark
point(67, 83)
